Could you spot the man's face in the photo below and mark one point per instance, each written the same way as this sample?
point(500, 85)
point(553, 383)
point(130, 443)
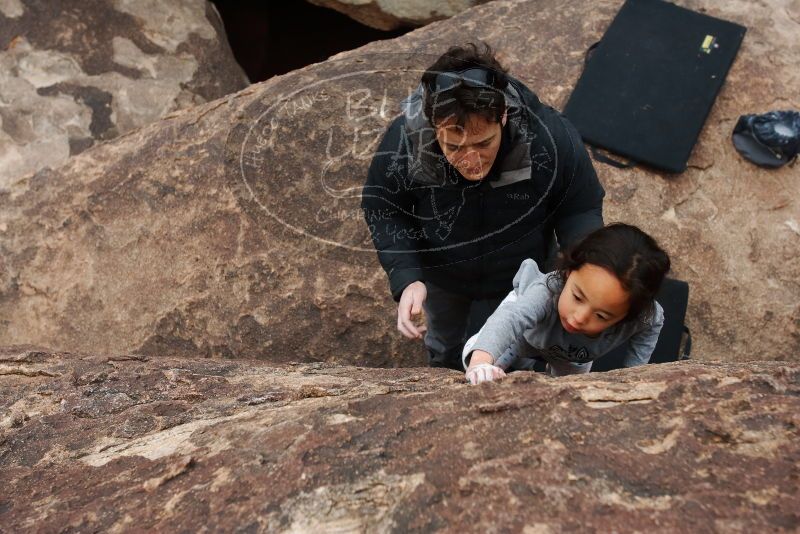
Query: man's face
point(471, 148)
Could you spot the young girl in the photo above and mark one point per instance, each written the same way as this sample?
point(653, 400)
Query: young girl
point(600, 296)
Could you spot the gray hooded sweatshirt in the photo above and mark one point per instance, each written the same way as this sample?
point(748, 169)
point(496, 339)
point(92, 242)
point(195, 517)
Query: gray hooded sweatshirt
point(526, 325)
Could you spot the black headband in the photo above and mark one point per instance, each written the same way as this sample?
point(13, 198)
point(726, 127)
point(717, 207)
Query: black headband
point(476, 77)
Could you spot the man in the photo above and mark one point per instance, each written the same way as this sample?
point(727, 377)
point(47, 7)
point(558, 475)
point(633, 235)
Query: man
point(474, 177)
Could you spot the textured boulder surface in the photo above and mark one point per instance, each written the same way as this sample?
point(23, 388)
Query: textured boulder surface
point(75, 72)
point(117, 442)
point(392, 14)
point(232, 229)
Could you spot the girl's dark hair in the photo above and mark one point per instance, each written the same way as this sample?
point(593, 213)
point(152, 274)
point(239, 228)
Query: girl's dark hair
point(629, 253)
point(463, 101)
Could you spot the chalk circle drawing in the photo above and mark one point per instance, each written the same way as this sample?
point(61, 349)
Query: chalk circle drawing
point(313, 185)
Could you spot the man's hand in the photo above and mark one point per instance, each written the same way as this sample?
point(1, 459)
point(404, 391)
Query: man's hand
point(484, 372)
point(411, 305)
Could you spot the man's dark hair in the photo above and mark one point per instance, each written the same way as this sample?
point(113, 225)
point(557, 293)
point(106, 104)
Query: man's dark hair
point(462, 100)
point(627, 252)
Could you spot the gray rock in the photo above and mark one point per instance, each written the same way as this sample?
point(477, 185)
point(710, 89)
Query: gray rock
point(78, 72)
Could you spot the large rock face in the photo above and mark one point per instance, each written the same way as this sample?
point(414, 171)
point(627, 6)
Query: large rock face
point(233, 229)
point(118, 442)
point(82, 71)
point(392, 14)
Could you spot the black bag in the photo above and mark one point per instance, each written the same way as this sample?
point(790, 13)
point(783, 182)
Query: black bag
point(650, 83)
point(674, 298)
point(768, 140)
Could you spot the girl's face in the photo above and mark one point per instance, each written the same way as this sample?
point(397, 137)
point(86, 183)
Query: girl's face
point(592, 300)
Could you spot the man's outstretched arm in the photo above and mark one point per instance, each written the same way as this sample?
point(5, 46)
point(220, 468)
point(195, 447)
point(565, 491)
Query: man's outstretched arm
point(387, 205)
point(579, 208)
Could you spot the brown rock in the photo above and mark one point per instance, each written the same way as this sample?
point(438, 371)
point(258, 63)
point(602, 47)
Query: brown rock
point(110, 443)
point(76, 72)
point(233, 229)
point(393, 14)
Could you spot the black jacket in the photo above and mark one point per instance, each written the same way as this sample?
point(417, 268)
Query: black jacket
point(428, 223)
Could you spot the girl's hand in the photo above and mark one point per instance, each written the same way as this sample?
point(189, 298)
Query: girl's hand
point(483, 372)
